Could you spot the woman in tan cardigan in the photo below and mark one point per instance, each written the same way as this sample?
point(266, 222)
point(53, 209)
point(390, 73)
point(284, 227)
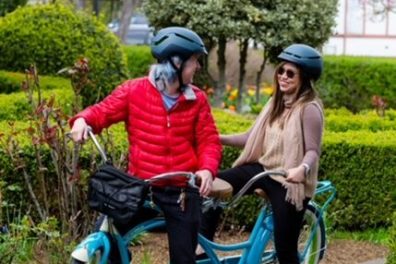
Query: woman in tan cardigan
point(285, 136)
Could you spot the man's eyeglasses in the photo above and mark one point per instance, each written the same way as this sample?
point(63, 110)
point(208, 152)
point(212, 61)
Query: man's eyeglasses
point(289, 73)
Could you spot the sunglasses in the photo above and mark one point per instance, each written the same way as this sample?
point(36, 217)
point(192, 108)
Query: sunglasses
point(289, 73)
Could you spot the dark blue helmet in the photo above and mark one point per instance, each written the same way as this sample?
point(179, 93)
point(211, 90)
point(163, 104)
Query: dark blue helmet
point(306, 57)
point(178, 41)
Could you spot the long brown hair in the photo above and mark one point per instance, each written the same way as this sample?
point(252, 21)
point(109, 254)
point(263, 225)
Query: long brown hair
point(305, 93)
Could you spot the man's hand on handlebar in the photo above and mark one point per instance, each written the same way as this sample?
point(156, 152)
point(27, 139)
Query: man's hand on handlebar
point(79, 131)
point(205, 179)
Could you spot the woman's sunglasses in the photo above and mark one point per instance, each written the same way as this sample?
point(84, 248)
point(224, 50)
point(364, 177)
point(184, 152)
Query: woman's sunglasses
point(289, 73)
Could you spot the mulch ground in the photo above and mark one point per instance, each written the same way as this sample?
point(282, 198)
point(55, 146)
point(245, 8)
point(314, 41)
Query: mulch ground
point(154, 249)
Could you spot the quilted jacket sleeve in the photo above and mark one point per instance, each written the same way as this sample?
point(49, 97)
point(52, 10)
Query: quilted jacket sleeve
point(113, 109)
point(207, 139)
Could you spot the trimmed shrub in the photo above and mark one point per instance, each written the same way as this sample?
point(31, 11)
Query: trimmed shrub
point(392, 243)
point(352, 81)
point(361, 166)
point(139, 59)
point(16, 107)
point(342, 120)
point(53, 37)
point(10, 82)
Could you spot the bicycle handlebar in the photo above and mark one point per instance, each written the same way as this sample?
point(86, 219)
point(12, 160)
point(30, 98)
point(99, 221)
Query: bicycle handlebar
point(167, 175)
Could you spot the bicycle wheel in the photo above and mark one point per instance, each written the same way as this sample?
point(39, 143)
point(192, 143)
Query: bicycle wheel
point(312, 239)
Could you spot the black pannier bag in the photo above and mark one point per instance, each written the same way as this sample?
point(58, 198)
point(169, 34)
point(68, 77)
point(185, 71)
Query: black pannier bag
point(116, 193)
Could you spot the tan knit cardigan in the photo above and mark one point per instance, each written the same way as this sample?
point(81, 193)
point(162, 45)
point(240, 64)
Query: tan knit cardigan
point(293, 142)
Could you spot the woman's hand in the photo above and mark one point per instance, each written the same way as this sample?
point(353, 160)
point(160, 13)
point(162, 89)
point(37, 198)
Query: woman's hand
point(206, 179)
point(296, 174)
point(79, 131)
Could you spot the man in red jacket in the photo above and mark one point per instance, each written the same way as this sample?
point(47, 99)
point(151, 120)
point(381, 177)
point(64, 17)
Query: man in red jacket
point(170, 128)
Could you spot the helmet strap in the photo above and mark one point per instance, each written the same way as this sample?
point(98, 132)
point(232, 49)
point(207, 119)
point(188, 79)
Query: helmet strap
point(179, 71)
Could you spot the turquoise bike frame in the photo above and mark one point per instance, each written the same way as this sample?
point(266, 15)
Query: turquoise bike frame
point(253, 248)
point(261, 234)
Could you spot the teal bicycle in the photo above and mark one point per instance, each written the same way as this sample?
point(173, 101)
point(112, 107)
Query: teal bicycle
point(95, 248)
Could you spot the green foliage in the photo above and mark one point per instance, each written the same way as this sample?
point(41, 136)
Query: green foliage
point(367, 120)
point(11, 82)
point(281, 23)
point(392, 242)
point(139, 59)
point(351, 82)
point(7, 6)
point(359, 163)
point(378, 236)
point(26, 238)
point(16, 107)
point(55, 36)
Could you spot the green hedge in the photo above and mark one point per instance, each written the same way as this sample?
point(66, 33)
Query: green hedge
point(361, 166)
point(352, 81)
point(341, 120)
point(10, 82)
point(139, 59)
point(54, 36)
point(392, 243)
point(359, 163)
point(15, 106)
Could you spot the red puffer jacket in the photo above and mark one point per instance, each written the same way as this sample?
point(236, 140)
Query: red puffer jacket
point(183, 138)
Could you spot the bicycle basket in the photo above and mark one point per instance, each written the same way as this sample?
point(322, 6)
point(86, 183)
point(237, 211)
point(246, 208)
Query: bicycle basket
point(116, 193)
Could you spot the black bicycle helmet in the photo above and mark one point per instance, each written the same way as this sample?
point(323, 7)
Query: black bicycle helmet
point(178, 41)
point(306, 57)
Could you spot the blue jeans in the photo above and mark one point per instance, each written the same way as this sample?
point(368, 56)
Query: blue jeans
point(181, 225)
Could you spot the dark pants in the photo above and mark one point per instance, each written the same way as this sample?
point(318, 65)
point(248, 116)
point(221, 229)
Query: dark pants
point(181, 226)
point(287, 220)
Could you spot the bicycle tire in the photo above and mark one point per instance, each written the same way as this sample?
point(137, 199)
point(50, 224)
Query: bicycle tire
point(314, 248)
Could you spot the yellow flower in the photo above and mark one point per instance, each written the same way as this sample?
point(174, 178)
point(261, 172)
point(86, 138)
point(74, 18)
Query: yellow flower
point(234, 93)
point(251, 92)
point(268, 90)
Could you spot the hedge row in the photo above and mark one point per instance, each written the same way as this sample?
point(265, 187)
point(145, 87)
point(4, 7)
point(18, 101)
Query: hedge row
point(359, 163)
point(16, 107)
point(10, 82)
point(391, 259)
point(352, 81)
point(361, 166)
point(341, 120)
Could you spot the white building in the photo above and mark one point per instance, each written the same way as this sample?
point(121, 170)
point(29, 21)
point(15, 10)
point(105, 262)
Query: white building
point(362, 31)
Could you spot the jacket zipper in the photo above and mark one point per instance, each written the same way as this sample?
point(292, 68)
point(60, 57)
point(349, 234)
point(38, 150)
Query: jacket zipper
point(168, 124)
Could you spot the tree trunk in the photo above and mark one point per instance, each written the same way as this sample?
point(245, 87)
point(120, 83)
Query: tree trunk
point(243, 48)
point(126, 14)
point(95, 5)
point(221, 66)
point(259, 73)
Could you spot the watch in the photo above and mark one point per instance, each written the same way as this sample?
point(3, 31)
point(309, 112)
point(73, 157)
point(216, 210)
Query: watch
point(307, 169)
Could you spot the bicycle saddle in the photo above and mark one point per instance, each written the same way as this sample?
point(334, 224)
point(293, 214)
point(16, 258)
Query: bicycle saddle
point(221, 189)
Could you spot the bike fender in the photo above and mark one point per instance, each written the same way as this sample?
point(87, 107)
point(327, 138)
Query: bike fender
point(92, 243)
